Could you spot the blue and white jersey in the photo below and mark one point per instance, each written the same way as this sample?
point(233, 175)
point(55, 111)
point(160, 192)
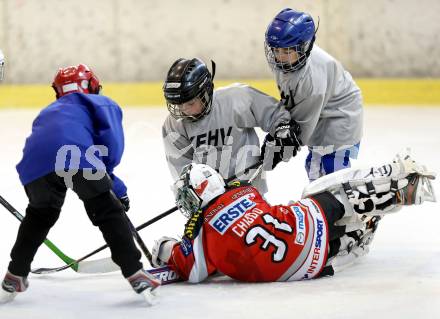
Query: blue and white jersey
point(325, 101)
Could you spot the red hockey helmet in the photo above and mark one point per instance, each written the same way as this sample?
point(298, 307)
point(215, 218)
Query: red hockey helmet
point(75, 79)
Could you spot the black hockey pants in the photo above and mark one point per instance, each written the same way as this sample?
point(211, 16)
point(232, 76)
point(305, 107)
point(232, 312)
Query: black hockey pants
point(46, 197)
point(333, 211)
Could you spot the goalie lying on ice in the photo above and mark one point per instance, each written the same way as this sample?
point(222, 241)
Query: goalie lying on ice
point(233, 230)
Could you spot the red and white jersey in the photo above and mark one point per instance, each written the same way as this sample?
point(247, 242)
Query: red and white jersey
point(243, 237)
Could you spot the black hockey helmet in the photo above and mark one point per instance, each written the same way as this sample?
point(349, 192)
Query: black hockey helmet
point(188, 79)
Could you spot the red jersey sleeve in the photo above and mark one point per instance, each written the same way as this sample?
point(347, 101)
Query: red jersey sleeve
point(189, 261)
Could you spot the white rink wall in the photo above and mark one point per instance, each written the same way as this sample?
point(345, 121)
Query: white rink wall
point(137, 40)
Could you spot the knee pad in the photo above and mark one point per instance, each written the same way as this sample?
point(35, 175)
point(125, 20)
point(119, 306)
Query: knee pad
point(103, 207)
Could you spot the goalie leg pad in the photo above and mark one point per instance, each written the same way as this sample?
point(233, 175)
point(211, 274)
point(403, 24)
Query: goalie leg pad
point(402, 166)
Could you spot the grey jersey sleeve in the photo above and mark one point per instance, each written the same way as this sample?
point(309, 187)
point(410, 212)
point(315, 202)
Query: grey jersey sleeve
point(260, 109)
point(323, 98)
point(178, 148)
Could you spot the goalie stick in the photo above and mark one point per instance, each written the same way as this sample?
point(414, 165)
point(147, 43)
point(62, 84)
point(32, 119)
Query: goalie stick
point(47, 242)
point(165, 274)
point(106, 264)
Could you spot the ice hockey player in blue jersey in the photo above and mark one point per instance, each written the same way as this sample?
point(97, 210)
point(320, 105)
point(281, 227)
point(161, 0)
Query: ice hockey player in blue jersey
point(76, 142)
point(72, 124)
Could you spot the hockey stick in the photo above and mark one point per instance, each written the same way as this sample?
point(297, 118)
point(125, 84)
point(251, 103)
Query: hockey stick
point(94, 266)
point(106, 264)
point(47, 242)
point(140, 242)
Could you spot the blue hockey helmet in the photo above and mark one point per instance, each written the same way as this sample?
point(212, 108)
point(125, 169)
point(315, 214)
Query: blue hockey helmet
point(292, 31)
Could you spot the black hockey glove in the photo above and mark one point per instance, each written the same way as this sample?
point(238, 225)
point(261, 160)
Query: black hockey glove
point(125, 201)
point(281, 147)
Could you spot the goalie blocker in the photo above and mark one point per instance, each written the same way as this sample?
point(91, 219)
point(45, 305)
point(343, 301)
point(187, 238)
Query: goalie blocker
point(236, 232)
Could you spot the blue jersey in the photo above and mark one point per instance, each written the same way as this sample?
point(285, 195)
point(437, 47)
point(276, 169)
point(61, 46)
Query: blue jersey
point(76, 121)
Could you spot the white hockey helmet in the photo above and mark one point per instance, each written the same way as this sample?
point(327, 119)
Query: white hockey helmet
point(197, 186)
point(2, 65)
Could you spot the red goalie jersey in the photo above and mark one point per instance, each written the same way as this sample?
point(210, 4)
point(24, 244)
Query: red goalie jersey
point(240, 235)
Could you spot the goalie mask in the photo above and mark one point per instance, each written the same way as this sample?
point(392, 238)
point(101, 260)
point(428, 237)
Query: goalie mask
point(289, 40)
point(73, 79)
point(197, 186)
point(188, 89)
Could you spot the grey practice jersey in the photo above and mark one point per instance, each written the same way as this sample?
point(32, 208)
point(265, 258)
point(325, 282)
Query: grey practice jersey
point(323, 98)
point(225, 138)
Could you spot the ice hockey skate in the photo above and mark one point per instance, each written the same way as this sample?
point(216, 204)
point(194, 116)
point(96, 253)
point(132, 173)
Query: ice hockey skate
point(145, 285)
point(12, 285)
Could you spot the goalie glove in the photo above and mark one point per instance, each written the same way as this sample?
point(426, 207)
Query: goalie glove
point(161, 251)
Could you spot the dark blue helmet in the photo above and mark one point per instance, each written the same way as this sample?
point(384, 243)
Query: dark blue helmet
point(289, 31)
point(186, 80)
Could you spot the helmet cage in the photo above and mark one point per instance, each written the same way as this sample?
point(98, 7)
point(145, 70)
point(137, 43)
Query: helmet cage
point(302, 50)
point(187, 200)
point(205, 98)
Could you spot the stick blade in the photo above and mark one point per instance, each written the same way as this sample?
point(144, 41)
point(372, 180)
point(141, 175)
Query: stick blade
point(104, 265)
point(44, 271)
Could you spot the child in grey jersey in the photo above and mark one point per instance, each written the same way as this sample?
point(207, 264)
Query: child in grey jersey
point(217, 127)
point(319, 94)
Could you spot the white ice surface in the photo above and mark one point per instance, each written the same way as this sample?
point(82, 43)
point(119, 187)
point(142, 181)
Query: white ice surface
point(400, 278)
